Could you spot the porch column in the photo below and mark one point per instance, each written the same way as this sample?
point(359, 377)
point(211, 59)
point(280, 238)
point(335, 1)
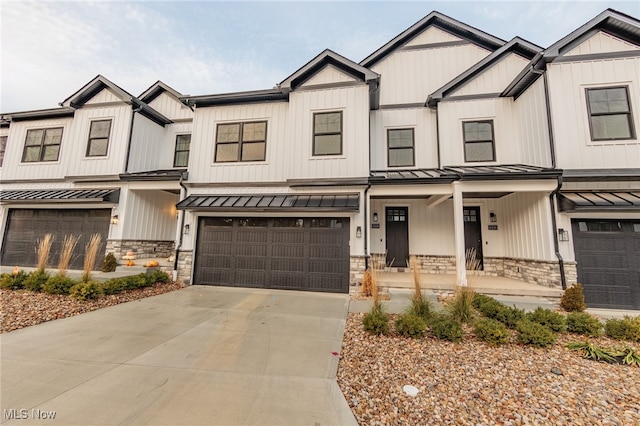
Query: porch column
point(458, 227)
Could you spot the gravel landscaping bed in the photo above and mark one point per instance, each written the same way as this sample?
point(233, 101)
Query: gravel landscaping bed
point(470, 383)
point(24, 308)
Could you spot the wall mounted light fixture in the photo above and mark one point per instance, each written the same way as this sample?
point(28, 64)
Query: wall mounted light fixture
point(114, 219)
point(493, 217)
point(375, 217)
point(187, 228)
point(563, 234)
point(359, 232)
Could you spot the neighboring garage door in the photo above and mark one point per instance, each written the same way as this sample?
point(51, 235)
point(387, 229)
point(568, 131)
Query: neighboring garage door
point(285, 253)
point(608, 258)
point(26, 226)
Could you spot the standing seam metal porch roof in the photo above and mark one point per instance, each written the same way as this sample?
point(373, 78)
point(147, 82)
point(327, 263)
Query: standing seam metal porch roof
point(450, 174)
point(61, 195)
point(272, 202)
point(592, 200)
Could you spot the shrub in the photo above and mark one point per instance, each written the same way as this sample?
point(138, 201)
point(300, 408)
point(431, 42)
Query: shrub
point(510, 316)
point(109, 263)
point(421, 307)
point(460, 307)
point(627, 328)
point(367, 283)
point(583, 323)
point(134, 282)
point(157, 276)
point(14, 281)
point(531, 333)
point(376, 321)
point(36, 280)
point(488, 306)
point(480, 299)
point(445, 327)
point(550, 319)
point(86, 290)
point(58, 284)
point(573, 299)
point(113, 286)
point(411, 325)
point(491, 331)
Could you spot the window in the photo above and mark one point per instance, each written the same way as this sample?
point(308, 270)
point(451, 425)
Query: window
point(3, 148)
point(42, 145)
point(241, 141)
point(610, 113)
point(327, 133)
point(400, 143)
point(98, 138)
point(478, 141)
point(181, 157)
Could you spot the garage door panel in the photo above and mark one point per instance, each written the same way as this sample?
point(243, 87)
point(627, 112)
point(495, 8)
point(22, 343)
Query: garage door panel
point(286, 253)
point(607, 256)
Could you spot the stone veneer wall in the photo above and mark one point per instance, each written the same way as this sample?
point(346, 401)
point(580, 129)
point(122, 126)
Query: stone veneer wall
point(185, 266)
point(357, 269)
point(143, 248)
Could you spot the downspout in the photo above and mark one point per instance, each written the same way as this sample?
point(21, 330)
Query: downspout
point(556, 246)
point(438, 136)
point(366, 227)
point(554, 164)
point(182, 215)
point(133, 116)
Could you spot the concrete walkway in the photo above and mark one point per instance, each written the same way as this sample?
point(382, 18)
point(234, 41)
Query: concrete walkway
point(198, 356)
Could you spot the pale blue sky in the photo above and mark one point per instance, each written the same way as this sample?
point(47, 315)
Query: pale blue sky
point(51, 49)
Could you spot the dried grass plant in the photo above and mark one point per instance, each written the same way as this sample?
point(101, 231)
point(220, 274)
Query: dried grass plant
point(43, 250)
point(416, 271)
point(461, 306)
point(374, 288)
point(472, 263)
point(91, 256)
point(367, 283)
point(66, 253)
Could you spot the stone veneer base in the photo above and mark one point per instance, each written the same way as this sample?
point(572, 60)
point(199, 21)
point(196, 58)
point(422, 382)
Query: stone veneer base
point(143, 248)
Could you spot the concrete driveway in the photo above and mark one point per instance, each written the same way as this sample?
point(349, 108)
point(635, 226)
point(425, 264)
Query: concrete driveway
point(198, 356)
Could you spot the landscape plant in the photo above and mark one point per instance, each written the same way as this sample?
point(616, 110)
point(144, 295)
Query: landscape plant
point(376, 321)
point(627, 328)
point(548, 318)
point(86, 290)
point(493, 332)
point(573, 299)
point(43, 249)
point(14, 280)
point(366, 289)
point(58, 284)
point(420, 305)
point(583, 323)
point(66, 253)
point(90, 256)
point(590, 351)
point(461, 306)
point(35, 280)
point(531, 333)
point(445, 327)
point(411, 325)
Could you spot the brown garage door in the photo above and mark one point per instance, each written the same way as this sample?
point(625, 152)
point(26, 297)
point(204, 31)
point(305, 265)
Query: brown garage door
point(26, 226)
point(286, 253)
point(608, 261)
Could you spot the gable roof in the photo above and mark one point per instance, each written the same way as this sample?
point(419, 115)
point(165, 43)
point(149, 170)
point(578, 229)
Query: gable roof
point(38, 114)
point(99, 83)
point(516, 45)
point(156, 90)
point(444, 22)
point(610, 21)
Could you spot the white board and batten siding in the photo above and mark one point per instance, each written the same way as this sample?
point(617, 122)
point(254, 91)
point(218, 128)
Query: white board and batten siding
point(602, 42)
point(409, 76)
point(328, 75)
point(113, 162)
point(423, 123)
point(202, 167)
point(532, 126)
point(353, 101)
point(171, 108)
point(150, 215)
point(14, 169)
point(495, 78)
point(150, 149)
point(105, 96)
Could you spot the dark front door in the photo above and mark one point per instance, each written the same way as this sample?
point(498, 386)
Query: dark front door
point(397, 234)
point(473, 237)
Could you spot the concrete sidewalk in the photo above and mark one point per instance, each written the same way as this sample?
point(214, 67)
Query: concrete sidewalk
point(197, 356)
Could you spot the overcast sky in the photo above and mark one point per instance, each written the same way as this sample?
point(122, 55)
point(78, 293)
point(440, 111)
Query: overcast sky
point(51, 49)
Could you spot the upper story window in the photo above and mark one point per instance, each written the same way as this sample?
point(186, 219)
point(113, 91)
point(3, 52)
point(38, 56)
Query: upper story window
point(327, 133)
point(479, 143)
point(3, 148)
point(42, 145)
point(400, 147)
point(610, 113)
point(245, 141)
point(181, 157)
point(99, 138)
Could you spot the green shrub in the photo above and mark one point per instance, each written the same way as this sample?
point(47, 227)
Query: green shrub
point(531, 333)
point(112, 286)
point(13, 281)
point(491, 331)
point(461, 306)
point(445, 327)
point(550, 319)
point(583, 323)
point(376, 321)
point(573, 299)
point(627, 328)
point(411, 325)
point(480, 299)
point(421, 307)
point(35, 280)
point(86, 290)
point(158, 276)
point(58, 284)
point(109, 263)
point(488, 306)
point(134, 282)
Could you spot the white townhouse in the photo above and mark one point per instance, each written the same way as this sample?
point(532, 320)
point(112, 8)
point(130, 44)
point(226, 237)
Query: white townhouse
point(446, 142)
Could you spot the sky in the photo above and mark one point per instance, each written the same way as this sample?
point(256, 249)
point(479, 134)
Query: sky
point(51, 49)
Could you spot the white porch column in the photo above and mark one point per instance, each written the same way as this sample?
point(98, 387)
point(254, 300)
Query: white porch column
point(458, 226)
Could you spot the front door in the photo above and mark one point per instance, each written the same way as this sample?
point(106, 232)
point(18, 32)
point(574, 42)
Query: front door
point(473, 238)
point(397, 235)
